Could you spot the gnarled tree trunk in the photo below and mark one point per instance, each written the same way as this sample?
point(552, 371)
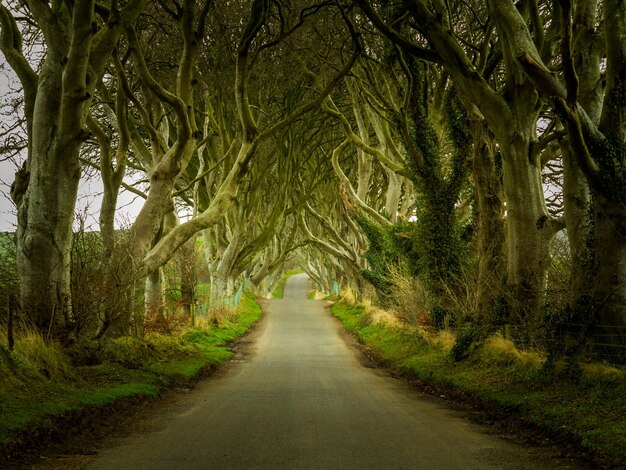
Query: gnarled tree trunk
point(491, 232)
point(56, 104)
point(609, 273)
point(528, 232)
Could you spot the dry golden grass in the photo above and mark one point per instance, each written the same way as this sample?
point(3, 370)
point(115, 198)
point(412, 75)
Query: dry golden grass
point(221, 314)
point(495, 351)
point(202, 322)
point(444, 340)
point(409, 299)
point(349, 296)
point(416, 321)
point(34, 353)
point(604, 373)
point(500, 351)
point(377, 316)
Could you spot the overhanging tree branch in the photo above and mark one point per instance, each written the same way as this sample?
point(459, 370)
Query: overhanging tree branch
point(415, 49)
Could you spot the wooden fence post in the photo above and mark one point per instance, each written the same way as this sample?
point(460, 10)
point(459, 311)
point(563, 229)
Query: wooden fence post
point(10, 323)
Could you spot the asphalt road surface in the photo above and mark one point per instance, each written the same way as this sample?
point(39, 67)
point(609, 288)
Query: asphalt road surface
point(304, 401)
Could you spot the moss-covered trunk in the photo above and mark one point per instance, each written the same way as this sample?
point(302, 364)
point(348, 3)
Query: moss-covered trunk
point(579, 223)
point(154, 299)
point(46, 206)
point(491, 232)
point(528, 232)
point(609, 277)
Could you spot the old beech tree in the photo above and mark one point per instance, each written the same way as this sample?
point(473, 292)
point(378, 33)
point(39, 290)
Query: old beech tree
point(78, 43)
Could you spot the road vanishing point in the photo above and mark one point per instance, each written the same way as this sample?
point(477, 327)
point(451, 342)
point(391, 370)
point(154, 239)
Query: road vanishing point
point(302, 400)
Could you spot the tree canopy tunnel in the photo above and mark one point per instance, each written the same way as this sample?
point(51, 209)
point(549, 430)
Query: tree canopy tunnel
point(428, 154)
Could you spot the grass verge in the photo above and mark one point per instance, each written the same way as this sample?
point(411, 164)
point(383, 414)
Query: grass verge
point(586, 409)
point(45, 387)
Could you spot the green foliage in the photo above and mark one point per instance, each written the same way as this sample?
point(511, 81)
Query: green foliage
point(188, 368)
point(8, 268)
point(439, 179)
point(250, 311)
point(610, 155)
point(104, 396)
point(279, 290)
point(432, 247)
point(438, 241)
point(203, 290)
point(389, 248)
point(352, 316)
point(465, 343)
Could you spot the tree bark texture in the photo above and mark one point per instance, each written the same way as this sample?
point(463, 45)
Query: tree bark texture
point(46, 209)
point(153, 298)
point(528, 232)
point(491, 231)
point(609, 279)
point(56, 105)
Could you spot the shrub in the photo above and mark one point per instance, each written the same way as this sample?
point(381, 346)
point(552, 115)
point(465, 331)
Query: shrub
point(409, 301)
point(129, 351)
point(465, 343)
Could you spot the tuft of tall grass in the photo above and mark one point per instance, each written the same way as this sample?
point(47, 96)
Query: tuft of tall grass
point(379, 316)
point(499, 351)
point(444, 340)
point(389, 318)
point(349, 296)
point(223, 314)
point(32, 354)
point(462, 297)
point(601, 373)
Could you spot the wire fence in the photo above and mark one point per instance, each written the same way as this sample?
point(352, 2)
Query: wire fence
point(602, 343)
point(605, 343)
point(203, 307)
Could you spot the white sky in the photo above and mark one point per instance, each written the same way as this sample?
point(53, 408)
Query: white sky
point(90, 195)
point(90, 191)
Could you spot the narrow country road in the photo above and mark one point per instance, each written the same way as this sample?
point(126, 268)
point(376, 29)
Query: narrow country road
point(303, 401)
